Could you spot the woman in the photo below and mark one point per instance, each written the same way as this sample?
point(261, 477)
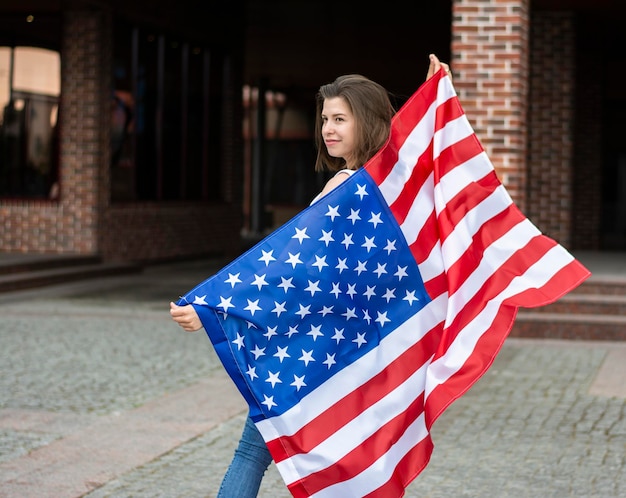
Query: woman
point(354, 120)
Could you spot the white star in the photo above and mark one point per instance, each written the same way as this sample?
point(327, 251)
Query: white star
point(389, 294)
point(315, 332)
point(369, 243)
point(251, 372)
point(410, 297)
point(351, 290)
point(401, 273)
point(239, 341)
point(293, 260)
point(380, 269)
point(330, 360)
point(253, 306)
point(200, 300)
point(286, 284)
point(336, 290)
point(232, 279)
point(326, 310)
point(259, 281)
point(347, 240)
point(375, 219)
point(361, 191)
point(338, 335)
point(258, 352)
point(292, 331)
point(303, 311)
point(327, 237)
point(281, 353)
point(354, 216)
point(300, 235)
point(382, 318)
point(360, 340)
point(271, 331)
point(350, 313)
point(279, 308)
point(225, 303)
point(370, 292)
point(273, 378)
point(360, 268)
point(333, 212)
point(307, 357)
point(313, 287)
point(367, 317)
point(341, 265)
point(391, 246)
point(298, 382)
point(268, 401)
point(320, 262)
point(267, 257)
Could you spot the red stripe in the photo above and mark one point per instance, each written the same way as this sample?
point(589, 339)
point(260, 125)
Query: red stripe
point(403, 123)
point(349, 407)
point(447, 111)
point(568, 277)
point(489, 233)
point(456, 155)
point(375, 446)
point(476, 365)
point(419, 174)
point(462, 203)
point(407, 469)
point(366, 454)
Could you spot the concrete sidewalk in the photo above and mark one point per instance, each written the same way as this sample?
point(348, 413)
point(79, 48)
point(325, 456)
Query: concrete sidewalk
point(102, 395)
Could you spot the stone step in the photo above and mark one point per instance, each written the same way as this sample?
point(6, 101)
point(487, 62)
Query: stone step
point(578, 303)
point(21, 263)
point(605, 285)
point(26, 279)
point(577, 326)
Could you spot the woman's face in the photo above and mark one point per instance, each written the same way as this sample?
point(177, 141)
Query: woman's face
point(339, 129)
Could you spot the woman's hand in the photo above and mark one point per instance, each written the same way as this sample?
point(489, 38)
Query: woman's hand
point(186, 317)
point(436, 65)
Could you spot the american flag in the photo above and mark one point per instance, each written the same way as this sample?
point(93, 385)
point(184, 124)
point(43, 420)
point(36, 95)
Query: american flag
point(351, 328)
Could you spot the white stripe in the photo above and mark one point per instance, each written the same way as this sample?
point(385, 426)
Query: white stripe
point(536, 276)
point(492, 261)
point(405, 336)
point(410, 151)
point(419, 212)
point(453, 182)
point(352, 435)
point(454, 131)
point(460, 239)
point(380, 471)
point(433, 265)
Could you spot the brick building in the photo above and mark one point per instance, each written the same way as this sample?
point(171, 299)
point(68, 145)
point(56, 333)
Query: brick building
point(148, 152)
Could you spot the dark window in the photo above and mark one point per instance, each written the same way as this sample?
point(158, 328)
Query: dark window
point(163, 115)
point(30, 86)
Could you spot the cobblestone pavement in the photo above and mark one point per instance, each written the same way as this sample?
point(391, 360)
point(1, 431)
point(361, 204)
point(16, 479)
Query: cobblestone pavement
point(102, 395)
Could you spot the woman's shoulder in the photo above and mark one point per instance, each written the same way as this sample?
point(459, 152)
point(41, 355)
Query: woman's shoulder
point(335, 181)
point(345, 172)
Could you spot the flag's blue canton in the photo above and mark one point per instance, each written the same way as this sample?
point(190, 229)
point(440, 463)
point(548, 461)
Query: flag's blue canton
point(315, 295)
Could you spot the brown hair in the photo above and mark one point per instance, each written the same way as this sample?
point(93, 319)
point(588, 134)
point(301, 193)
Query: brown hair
point(372, 109)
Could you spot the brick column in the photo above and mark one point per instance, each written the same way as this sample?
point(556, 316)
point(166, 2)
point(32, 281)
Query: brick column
point(551, 122)
point(490, 60)
point(84, 124)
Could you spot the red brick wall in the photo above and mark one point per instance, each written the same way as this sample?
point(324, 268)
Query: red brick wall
point(83, 221)
point(551, 124)
point(146, 232)
point(490, 57)
point(69, 225)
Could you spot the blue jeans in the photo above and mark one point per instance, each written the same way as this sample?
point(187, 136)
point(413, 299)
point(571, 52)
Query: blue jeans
point(246, 470)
